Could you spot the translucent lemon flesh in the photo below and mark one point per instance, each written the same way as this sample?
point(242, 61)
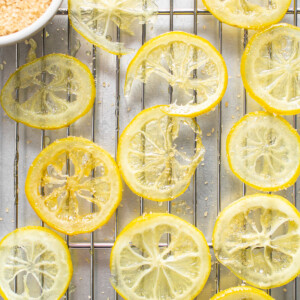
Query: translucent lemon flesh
point(150, 160)
point(270, 69)
point(176, 57)
point(38, 260)
point(143, 266)
point(95, 19)
point(264, 151)
point(258, 238)
point(66, 178)
point(50, 92)
point(251, 14)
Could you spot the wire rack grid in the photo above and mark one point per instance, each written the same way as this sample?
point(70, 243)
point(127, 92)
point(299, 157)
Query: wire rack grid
point(212, 187)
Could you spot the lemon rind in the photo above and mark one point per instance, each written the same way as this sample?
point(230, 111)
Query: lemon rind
point(94, 42)
point(71, 121)
point(180, 36)
point(117, 53)
point(236, 291)
point(67, 251)
point(233, 204)
point(288, 183)
point(248, 87)
point(254, 27)
point(31, 199)
point(150, 216)
point(123, 136)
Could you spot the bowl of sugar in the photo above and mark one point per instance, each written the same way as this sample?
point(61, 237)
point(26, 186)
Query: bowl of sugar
point(20, 19)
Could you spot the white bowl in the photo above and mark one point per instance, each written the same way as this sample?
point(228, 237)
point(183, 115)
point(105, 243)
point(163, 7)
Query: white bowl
point(27, 32)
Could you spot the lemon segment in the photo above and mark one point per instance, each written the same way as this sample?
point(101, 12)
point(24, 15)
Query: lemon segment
point(49, 93)
point(250, 14)
point(144, 267)
point(258, 239)
point(93, 19)
point(242, 293)
point(270, 69)
point(151, 162)
point(39, 260)
point(175, 57)
point(263, 151)
point(66, 178)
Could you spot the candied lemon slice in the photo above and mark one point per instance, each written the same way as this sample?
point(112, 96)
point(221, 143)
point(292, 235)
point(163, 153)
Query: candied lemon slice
point(263, 151)
point(251, 14)
point(258, 239)
point(242, 293)
point(270, 69)
point(144, 266)
point(151, 162)
point(175, 57)
point(38, 260)
point(66, 178)
point(93, 19)
point(50, 92)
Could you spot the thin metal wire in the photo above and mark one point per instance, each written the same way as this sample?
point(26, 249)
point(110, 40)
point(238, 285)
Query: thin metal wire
point(16, 160)
point(245, 42)
point(195, 144)
point(171, 13)
point(68, 134)
point(171, 26)
point(219, 142)
point(43, 138)
point(143, 101)
point(295, 117)
point(296, 126)
point(106, 245)
point(295, 12)
point(92, 245)
point(117, 124)
point(16, 166)
point(43, 134)
point(64, 11)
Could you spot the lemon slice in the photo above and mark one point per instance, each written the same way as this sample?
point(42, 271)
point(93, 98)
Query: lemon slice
point(66, 178)
point(242, 293)
point(49, 93)
point(94, 18)
point(144, 268)
point(251, 14)
point(263, 151)
point(258, 239)
point(270, 69)
point(38, 260)
point(151, 162)
point(175, 56)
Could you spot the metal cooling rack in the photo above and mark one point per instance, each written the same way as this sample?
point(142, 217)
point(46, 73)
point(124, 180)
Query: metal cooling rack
point(212, 187)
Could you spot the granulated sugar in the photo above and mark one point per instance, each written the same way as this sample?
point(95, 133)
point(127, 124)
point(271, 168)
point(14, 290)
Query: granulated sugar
point(16, 15)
